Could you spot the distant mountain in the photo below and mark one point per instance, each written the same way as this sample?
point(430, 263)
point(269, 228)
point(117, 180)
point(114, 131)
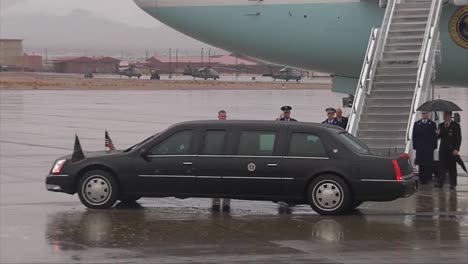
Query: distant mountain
point(81, 30)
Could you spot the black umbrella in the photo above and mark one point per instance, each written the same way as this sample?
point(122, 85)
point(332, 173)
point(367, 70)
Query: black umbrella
point(439, 105)
point(461, 163)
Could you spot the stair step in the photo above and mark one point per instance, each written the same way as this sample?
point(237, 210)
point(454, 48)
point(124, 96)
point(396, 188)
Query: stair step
point(384, 141)
point(390, 93)
point(368, 117)
point(400, 44)
point(385, 70)
point(404, 39)
point(408, 26)
point(399, 61)
point(395, 85)
point(388, 102)
point(386, 109)
point(381, 134)
point(401, 19)
point(388, 63)
point(406, 33)
point(395, 77)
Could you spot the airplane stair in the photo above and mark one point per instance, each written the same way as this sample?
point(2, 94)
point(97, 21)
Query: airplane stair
point(397, 75)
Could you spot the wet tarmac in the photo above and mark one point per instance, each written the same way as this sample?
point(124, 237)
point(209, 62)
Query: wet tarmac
point(37, 226)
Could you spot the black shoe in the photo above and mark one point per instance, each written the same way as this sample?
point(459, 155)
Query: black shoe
point(438, 185)
point(226, 208)
point(452, 187)
point(215, 208)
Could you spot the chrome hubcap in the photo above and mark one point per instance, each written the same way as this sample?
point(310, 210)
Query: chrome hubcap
point(328, 195)
point(97, 190)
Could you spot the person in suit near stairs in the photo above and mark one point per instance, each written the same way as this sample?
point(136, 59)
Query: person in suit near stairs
point(424, 143)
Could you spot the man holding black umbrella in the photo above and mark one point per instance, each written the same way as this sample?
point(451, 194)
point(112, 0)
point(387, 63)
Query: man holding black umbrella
point(450, 134)
point(425, 142)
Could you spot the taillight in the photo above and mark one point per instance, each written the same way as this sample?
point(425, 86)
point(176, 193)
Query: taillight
point(397, 170)
point(58, 166)
point(404, 156)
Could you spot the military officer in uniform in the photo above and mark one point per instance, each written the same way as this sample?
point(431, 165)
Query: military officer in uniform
point(216, 203)
point(450, 141)
point(340, 119)
point(286, 114)
point(424, 143)
point(330, 117)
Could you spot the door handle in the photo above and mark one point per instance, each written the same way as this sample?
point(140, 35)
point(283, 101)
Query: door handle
point(273, 165)
point(187, 163)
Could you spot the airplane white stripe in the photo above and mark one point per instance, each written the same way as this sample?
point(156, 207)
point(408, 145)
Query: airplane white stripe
point(180, 3)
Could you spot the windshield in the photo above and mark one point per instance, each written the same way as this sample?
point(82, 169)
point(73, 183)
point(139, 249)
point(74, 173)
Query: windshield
point(354, 143)
point(138, 144)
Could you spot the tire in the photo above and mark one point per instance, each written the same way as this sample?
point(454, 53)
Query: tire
point(338, 199)
point(98, 189)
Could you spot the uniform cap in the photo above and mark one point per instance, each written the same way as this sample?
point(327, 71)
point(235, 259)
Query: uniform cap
point(330, 110)
point(286, 108)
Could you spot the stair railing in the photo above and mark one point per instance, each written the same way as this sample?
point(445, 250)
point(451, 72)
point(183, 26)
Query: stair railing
point(426, 68)
point(374, 53)
point(360, 95)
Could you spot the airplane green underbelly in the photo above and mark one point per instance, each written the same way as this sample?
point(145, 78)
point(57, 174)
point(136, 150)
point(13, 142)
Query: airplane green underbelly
point(325, 37)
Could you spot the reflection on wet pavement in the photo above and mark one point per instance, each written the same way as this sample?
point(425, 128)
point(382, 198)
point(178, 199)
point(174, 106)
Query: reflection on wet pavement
point(37, 226)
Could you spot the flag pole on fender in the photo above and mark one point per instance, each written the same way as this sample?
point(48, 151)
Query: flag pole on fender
point(78, 153)
point(108, 142)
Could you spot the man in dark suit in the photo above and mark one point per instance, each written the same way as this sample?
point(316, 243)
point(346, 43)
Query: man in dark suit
point(286, 115)
point(425, 142)
point(330, 117)
point(340, 119)
point(450, 141)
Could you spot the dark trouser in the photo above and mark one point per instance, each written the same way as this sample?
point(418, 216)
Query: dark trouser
point(425, 173)
point(448, 164)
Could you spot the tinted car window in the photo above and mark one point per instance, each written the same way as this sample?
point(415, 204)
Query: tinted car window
point(214, 143)
point(256, 143)
point(177, 144)
point(306, 145)
point(354, 143)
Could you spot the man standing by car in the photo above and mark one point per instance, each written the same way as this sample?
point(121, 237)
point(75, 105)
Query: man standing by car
point(330, 117)
point(286, 115)
point(450, 141)
point(216, 203)
point(340, 119)
point(424, 143)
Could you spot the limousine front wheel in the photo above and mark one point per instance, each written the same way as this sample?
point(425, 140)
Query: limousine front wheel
point(98, 190)
point(329, 195)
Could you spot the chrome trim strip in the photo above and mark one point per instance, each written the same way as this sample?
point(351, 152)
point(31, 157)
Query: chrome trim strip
point(171, 156)
point(377, 180)
point(252, 178)
point(58, 175)
point(214, 177)
point(237, 156)
point(53, 187)
point(167, 176)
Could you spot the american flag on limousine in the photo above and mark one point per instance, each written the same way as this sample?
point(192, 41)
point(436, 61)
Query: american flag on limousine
point(109, 145)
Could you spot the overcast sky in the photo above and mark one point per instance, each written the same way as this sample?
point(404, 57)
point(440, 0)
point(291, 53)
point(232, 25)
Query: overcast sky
point(119, 10)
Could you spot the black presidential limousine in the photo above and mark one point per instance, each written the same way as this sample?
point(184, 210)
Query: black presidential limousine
point(292, 162)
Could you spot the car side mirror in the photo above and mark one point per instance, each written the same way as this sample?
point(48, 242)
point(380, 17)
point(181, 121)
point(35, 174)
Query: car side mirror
point(456, 118)
point(144, 153)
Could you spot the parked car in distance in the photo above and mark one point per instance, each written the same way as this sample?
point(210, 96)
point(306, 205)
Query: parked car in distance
point(293, 162)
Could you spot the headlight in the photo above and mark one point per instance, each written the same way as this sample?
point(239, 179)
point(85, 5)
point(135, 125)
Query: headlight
point(58, 166)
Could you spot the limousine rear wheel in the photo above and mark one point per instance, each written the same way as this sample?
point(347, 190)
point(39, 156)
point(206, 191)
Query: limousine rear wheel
point(98, 190)
point(329, 195)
